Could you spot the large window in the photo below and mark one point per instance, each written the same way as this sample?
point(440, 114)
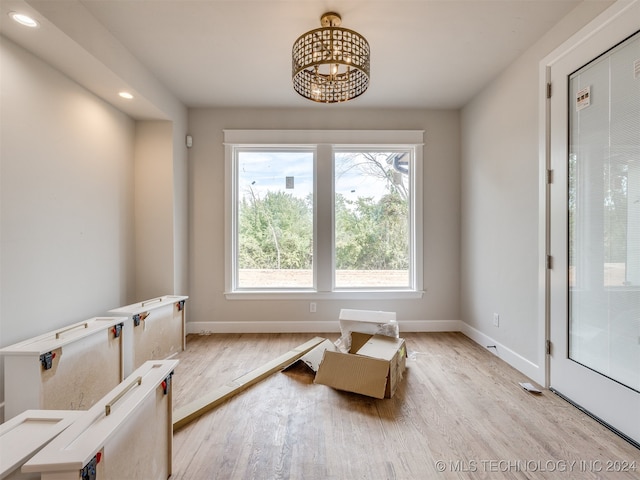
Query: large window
point(331, 213)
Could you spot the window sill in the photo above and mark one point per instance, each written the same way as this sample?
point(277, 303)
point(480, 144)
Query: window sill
point(338, 295)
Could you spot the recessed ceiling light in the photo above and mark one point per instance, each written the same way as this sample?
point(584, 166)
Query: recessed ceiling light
point(126, 95)
point(23, 19)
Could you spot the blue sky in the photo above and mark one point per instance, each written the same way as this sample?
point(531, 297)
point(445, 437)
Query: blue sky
point(263, 171)
point(267, 171)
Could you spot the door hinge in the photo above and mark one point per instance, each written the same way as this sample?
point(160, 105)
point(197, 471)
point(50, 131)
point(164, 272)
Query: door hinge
point(549, 176)
point(549, 90)
point(549, 262)
point(547, 347)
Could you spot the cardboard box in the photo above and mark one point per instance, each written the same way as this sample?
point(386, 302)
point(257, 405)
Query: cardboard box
point(374, 366)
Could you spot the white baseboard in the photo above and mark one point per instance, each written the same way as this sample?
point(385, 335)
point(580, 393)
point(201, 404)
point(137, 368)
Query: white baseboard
point(430, 325)
point(518, 362)
point(206, 328)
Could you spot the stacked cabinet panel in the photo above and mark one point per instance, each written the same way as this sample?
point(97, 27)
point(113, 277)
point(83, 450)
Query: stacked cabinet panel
point(67, 369)
point(128, 434)
point(24, 435)
point(156, 329)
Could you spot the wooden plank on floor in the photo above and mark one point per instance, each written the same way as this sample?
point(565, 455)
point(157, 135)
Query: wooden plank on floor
point(182, 416)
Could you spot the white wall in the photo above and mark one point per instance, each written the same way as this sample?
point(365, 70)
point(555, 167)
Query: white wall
point(154, 266)
point(499, 185)
point(161, 203)
point(180, 210)
point(66, 200)
point(67, 193)
point(74, 42)
point(206, 204)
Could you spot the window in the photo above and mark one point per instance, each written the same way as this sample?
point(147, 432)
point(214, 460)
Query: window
point(371, 218)
point(333, 214)
point(274, 233)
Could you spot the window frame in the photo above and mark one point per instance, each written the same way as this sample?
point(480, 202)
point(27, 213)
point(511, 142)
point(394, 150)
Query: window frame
point(323, 142)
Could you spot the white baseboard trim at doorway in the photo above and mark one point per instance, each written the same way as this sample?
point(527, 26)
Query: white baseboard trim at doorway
point(514, 359)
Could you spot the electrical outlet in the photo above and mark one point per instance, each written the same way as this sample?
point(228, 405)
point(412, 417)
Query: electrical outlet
point(312, 307)
point(496, 319)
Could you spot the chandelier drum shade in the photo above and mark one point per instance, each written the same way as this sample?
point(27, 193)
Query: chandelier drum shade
point(330, 64)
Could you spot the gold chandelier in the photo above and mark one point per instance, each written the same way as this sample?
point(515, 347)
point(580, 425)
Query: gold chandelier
point(330, 64)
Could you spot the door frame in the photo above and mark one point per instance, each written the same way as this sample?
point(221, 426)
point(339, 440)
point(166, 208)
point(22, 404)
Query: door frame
point(613, 26)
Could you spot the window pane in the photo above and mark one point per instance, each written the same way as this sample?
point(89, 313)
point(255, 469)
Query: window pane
point(372, 227)
point(274, 219)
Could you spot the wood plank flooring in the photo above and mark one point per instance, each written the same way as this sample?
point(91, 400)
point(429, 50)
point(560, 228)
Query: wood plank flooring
point(458, 413)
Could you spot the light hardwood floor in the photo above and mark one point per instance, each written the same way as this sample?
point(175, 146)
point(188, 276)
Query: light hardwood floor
point(459, 413)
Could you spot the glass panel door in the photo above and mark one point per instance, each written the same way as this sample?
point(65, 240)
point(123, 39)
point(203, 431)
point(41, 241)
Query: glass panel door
point(604, 215)
point(594, 224)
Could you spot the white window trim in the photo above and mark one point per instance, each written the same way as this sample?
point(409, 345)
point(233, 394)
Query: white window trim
point(325, 139)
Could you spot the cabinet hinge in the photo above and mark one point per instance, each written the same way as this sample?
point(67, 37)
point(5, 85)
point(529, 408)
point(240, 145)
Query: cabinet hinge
point(166, 384)
point(547, 347)
point(549, 176)
point(137, 318)
point(46, 359)
point(89, 471)
point(117, 330)
point(549, 262)
point(549, 90)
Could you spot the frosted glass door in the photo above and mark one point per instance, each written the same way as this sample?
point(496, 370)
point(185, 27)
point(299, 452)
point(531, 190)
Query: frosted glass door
point(594, 225)
point(604, 214)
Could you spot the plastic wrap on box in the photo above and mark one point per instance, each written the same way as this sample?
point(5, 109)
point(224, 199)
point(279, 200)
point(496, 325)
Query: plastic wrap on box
point(365, 321)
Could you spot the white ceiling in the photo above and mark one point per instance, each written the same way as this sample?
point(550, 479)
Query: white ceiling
point(235, 53)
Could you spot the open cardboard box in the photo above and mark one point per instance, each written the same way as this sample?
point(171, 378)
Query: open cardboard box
point(374, 365)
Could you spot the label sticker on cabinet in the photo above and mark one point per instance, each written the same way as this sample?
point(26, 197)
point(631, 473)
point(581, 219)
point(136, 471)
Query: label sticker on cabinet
point(583, 98)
